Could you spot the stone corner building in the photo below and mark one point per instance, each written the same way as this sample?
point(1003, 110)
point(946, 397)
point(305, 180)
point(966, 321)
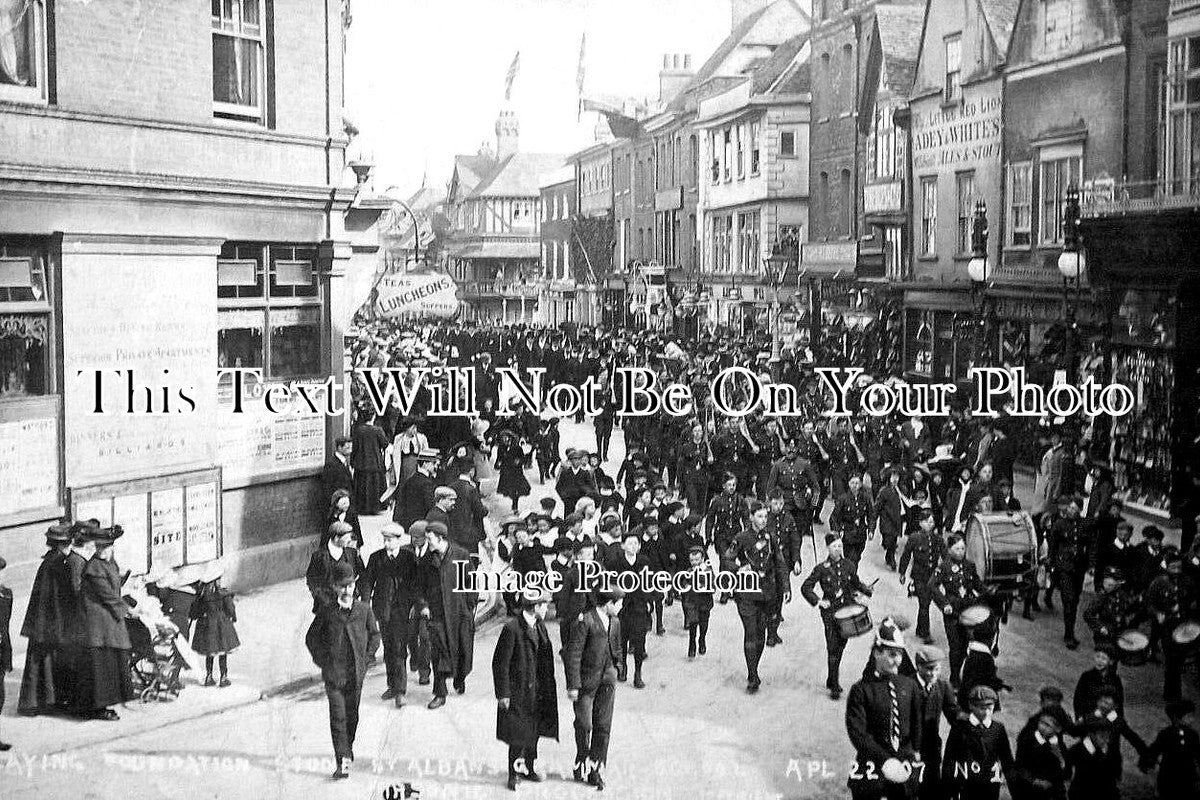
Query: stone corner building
point(171, 202)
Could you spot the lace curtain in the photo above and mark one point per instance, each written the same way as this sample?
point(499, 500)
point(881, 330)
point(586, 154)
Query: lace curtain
point(16, 42)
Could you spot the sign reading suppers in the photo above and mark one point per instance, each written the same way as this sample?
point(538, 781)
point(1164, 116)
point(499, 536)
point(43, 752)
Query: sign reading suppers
point(421, 294)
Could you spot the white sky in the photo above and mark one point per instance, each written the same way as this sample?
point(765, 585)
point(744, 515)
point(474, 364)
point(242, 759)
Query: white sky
point(425, 78)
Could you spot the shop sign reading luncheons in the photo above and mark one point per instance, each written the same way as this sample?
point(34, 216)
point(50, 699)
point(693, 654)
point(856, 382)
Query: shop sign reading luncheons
point(430, 294)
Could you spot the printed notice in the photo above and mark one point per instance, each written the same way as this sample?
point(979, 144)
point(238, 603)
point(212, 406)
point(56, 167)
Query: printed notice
point(201, 522)
point(166, 528)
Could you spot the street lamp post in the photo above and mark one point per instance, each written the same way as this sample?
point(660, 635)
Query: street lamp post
point(1071, 265)
point(977, 270)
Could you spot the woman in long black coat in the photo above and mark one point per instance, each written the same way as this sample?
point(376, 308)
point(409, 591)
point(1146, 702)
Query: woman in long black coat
point(102, 677)
point(510, 460)
point(370, 470)
point(526, 694)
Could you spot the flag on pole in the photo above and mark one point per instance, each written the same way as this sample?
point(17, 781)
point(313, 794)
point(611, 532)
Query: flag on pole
point(512, 74)
point(579, 74)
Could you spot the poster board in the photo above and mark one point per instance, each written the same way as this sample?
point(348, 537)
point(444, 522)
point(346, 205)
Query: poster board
point(169, 521)
point(30, 475)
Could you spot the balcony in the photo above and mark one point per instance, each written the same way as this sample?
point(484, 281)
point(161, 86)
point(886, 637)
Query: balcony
point(505, 289)
point(1109, 199)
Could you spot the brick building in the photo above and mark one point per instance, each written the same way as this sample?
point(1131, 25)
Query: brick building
point(173, 199)
point(556, 284)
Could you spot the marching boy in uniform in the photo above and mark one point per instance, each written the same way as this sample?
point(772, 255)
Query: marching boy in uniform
point(838, 578)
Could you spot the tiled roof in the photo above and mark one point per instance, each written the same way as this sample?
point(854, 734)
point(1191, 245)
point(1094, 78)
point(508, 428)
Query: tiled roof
point(900, 39)
point(780, 61)
point(519, 175)
point(1001, 16)
point(470, 170)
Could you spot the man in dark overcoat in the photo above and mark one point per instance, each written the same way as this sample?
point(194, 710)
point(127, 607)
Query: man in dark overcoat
point(340, 640)
point(468, 511)
point(451, 613)
point(635, 610)
point(575, 482)
point(593, 652)
point(937, 702)
point(526, 693)
point(336, 474)
point(390, 588)
point(323, 563)
point(51, 604)
point(415, 497)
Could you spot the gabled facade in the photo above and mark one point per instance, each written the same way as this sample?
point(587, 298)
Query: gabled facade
point(956, 130)
point(754, 181)
point(495, 208)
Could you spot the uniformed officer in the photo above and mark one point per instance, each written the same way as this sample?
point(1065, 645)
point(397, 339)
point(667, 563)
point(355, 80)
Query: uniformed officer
point(854, 517)
point(923, 550)
point(726, 516)
point(955, 586)
point(1070, 553)
point(884, 722)
point(758, 552)
point(1115, 610)
point(839, 581)
point(800, 485)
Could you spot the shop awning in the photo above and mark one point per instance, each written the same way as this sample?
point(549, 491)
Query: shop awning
point(517, 250)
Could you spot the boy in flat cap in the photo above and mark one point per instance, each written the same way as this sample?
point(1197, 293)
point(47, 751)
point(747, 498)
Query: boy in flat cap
point(978, 754)
point(937, 703)
point(341, 638)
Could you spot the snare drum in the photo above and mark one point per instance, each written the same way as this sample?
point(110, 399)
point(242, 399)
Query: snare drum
point(852, 620)
point(1134, 648)
point(1186, 635)
point(1003, 547)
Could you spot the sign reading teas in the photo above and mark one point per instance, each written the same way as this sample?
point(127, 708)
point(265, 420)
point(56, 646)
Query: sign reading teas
point(429, 294)
point(960, 134)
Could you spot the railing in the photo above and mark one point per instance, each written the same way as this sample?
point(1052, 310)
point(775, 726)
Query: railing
point(1141, 196)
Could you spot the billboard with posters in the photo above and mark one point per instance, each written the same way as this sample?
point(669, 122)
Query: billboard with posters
point(416, 294)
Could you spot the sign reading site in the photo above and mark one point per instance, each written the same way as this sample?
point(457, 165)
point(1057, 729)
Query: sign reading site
point(423, 294)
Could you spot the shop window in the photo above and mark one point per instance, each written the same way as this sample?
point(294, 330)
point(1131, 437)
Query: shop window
point(964, 183)
point(1058, 172)
point(929, 216)
point(23, 48)
point(1020, 210)
point(25, 323)
point(239, 48)
point(277, 330)
point(953, 85)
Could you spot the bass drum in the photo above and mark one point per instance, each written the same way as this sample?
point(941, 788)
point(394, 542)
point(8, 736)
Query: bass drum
point(1003, 548)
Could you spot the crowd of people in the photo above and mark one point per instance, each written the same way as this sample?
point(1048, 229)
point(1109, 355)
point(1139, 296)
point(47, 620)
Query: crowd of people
point(744, 495)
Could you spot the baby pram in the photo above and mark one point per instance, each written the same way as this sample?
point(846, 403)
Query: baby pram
point(155, 661)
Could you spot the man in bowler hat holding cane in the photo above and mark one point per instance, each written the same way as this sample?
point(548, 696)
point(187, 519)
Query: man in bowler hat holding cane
point(341, 638)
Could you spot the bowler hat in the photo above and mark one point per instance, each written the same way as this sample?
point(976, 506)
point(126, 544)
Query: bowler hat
point(59, 533)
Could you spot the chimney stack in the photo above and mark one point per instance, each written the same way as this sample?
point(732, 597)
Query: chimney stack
point(744, 8)
point(507, 135)
point(675, 74)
